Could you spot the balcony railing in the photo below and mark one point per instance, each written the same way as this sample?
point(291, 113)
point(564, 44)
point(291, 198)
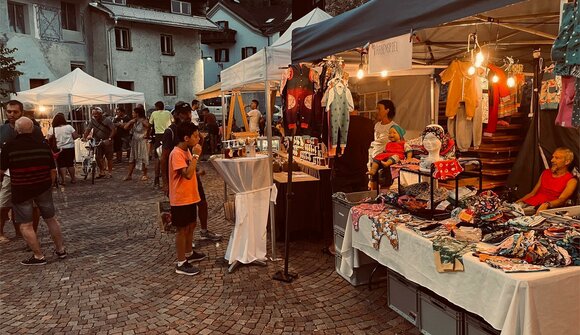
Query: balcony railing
point(217, 37)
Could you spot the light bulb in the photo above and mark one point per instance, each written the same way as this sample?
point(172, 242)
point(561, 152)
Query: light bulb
point(495, 78)
point(41, 109)
point(511, 82)
point(479, 58)
point(360, 73)
point(384, 73)
point(471, 70)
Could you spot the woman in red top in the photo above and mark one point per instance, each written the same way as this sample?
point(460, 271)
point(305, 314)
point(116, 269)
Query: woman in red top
point(556, 185)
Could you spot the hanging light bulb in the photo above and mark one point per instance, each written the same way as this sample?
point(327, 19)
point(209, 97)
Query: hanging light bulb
point(479, 58)
point(495, 78)
point(361, 72)
point(511, 82)
point(384, 73)
point(471, 70)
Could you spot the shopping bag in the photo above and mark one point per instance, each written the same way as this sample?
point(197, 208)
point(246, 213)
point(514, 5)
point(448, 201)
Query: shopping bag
point(164, 214)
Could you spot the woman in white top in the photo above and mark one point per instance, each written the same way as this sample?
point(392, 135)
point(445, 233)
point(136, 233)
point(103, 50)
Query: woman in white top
point(139, 156)
point(65, 136)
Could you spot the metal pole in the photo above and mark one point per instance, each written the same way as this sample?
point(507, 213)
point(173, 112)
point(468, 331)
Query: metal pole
point(270, 157)
point(224, 110)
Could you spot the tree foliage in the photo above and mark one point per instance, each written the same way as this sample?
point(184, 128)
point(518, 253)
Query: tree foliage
point(336, 7)
point(8, 70)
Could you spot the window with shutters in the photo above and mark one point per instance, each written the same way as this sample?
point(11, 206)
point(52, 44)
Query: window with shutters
point(167, 45)
point(169, 85)
point(222, 55)
point(68, 16)
point(248, 51)
point(123, 39)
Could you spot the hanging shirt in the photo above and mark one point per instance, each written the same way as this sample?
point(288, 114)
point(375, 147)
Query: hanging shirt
point(461, 88)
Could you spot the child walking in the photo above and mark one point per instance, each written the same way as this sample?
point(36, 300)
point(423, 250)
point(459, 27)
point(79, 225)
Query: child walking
point(183, 196)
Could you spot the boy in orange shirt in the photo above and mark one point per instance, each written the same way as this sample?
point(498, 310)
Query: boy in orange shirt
point(183, 195)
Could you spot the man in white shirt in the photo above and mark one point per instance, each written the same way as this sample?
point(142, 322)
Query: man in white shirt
point(254, 116)
point(195, 112)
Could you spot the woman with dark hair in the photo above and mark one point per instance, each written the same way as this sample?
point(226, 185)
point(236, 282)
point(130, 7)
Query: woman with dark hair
point(139, 156)
point(65, 136)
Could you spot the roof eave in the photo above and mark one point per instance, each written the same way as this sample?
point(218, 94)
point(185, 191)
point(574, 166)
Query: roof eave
point(167, 24)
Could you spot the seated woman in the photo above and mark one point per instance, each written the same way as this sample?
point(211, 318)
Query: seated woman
point(395, 151)
point(555, 186)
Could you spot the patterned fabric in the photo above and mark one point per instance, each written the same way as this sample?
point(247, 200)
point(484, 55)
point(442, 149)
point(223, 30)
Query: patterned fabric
point(436, 130)
point(448, 169)
point(560, 45)
point(576, 110)
point(386, 225)
point(550, 91)
point(448, 254)
point(370, 210)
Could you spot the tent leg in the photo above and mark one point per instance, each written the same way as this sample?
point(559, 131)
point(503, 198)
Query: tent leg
point(268, 127)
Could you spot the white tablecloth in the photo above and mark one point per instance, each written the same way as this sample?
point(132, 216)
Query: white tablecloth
point(249, 178)
point(517, 303)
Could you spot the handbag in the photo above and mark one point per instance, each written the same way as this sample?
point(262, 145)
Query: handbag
point(52, 142)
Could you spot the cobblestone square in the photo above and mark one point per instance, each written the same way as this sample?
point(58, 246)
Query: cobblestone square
point(119, 277)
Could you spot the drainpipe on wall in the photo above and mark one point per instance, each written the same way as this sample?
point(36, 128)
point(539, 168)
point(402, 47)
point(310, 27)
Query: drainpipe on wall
point(110, 72)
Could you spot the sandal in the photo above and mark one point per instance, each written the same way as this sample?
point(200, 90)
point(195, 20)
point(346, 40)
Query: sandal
point(127, 178)
point(100, 176)
point(144, 178)
point(4, 239)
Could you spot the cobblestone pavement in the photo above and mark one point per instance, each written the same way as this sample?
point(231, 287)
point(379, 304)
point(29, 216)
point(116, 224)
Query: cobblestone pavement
point(119, 277)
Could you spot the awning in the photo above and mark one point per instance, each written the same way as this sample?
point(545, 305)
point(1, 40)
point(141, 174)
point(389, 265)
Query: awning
point(148, 16)
point(213, 91)
point(378, 20)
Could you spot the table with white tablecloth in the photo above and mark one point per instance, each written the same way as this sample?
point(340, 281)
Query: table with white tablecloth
point(249, 178)
point(516, 303)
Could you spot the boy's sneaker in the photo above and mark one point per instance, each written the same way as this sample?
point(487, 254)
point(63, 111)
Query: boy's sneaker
point(33, 261)
point(208, 235)
point(186, 269)
point(196, 257)
point(61, 255)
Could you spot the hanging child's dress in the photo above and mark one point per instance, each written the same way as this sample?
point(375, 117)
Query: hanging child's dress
point(339, 104)
point(299, 85)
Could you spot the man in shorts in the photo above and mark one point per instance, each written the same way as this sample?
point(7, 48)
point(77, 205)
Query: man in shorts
point(161, 120)
point(32, 171)
point(183, 195)
point(183, 112)
point(14, 110)
point(103, 129)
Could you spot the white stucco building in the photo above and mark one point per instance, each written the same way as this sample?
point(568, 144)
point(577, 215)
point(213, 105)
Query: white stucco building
point(151, 46)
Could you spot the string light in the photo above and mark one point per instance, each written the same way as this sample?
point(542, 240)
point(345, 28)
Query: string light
point(511, 82)
point(471, 70)
point(384, 73)
point(495, 78)
point(361, 72)
point(479, 58)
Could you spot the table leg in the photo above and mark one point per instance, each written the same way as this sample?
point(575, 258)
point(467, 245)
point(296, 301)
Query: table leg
point(233, 267)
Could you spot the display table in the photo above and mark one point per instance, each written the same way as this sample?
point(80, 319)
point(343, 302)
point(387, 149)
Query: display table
point(324, 189)
point(516, 303)
point(305, 217)
point(249, 178)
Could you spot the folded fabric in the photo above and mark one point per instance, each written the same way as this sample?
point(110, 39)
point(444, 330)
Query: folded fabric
point(448, 253)
point(468, 234)
point(370, 210)
point(447, 169)
point(386, 225)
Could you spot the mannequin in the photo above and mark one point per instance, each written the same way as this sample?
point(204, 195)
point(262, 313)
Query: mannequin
point(432, 141)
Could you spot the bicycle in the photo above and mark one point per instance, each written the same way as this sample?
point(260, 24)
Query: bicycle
point(90, 160)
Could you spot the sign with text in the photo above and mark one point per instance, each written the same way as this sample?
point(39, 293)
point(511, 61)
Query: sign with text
point(391, 54)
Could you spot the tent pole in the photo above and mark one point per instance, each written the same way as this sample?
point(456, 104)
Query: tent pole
point(432, 77)
point(224, 109)
point(270, 159)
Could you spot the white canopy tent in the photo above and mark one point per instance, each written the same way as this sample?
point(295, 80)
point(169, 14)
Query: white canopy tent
point(268, 63)
point(257, 74)
point(78, 88)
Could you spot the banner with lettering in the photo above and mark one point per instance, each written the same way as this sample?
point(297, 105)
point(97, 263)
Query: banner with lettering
point(391, 54)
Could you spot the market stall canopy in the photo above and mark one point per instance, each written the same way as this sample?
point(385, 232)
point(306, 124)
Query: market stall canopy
point(79, 88)
point(381, 19)
point(213, 91)
point(269, 62)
